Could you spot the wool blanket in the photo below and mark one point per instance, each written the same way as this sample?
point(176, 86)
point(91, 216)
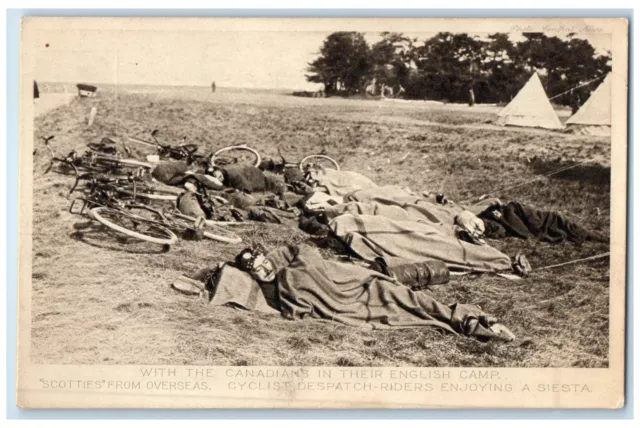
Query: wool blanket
point(339, 183)
point(378, 236)
point(310, 286)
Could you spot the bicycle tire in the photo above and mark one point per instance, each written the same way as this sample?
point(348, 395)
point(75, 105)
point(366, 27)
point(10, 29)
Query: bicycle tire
point(221, 234)
point(100, 213)
point(245, 148)
point(321, 157)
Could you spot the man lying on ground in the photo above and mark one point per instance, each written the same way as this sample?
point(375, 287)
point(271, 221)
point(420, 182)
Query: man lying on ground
point(235, 205)
point(450, 220)
point(430, 207)
point(336, 183)
point(300, 283)
point(246, 178)
point(395, 203)
point(250, 194)
point(177, 173)
point(369, 237)
point(523, 221)
point(249, 178)
point(340, 192)
point(373, 221)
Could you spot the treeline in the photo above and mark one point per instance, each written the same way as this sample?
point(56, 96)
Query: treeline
point(455, 67)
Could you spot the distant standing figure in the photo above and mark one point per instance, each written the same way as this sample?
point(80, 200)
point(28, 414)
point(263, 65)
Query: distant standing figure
point(576, 104)
point(213, 87)
point(36, 91)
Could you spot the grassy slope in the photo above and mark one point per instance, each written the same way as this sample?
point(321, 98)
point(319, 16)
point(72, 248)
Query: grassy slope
point(104, 300)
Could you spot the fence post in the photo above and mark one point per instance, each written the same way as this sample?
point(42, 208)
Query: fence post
point(92, 115)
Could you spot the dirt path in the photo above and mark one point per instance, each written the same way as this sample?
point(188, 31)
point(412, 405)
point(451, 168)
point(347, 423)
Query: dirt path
point(48, 102)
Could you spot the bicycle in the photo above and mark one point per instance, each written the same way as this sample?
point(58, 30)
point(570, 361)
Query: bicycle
point(103, 206)
point(218, 160)
point(147, 224)
point(93, 162)
point(303, 165)
point(106, 146)
point(186, 152)
point(134, 186)
point(210, 228)
point(306, 166)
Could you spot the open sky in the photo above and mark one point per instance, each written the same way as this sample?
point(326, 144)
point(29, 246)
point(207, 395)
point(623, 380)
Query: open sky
point(265, 59)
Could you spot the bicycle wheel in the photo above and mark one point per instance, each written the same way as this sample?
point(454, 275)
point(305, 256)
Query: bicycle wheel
point(134, 226)
point(219, 233)
point(217, 158)
point(303, 161)
point(212, 230)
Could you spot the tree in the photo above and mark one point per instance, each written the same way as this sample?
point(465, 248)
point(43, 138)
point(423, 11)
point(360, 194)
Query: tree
point(390, 58)
point(565, 64)
point(344, 63)
point(459, 68)
point(448, 67)
point(584, 66)
point(504, 74)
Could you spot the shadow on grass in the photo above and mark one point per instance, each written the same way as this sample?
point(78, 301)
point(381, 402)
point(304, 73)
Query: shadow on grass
point(590, 173)
point(100, 236)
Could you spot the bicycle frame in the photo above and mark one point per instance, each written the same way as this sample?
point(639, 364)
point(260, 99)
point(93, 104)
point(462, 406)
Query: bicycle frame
point(166, 219)
point(93, 203)
point(179, 152)
point(121, 206)
point(95, 163)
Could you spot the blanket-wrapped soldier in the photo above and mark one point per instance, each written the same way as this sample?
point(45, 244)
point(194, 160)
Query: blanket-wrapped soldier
point(306, 285)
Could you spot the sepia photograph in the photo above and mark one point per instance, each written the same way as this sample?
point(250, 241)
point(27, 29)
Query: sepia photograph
point(401, 199)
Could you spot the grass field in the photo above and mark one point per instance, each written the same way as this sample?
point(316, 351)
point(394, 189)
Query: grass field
point(99, 300)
